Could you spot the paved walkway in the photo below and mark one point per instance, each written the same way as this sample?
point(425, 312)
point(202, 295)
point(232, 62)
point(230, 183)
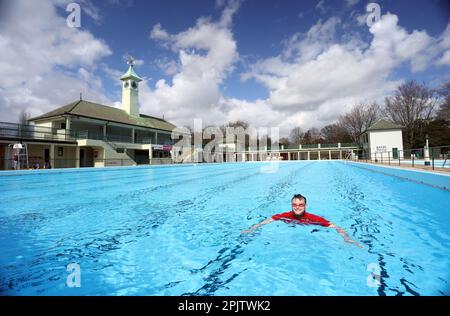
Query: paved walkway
point(404, 165)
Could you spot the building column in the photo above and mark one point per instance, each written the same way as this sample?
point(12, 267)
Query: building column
point(329, 155)
point(340, 154)
point(104, 131)
point(52, 155)
point(132, 136)
point(156, 138)
point(68, 128)
point(289, 156)
point(308, 156)
point(77, 157)
point(318, 153)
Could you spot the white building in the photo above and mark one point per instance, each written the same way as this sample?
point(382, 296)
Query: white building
point(382, 140)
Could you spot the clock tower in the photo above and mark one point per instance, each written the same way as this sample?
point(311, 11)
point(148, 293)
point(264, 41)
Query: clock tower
point(130, 89)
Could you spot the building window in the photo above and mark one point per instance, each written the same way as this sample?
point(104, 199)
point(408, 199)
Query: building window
point(63, 125)
point(60, 151)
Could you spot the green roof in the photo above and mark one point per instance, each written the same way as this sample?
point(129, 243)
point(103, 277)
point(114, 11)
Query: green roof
point(130, 74)
point(107, 113)
point(383, 124)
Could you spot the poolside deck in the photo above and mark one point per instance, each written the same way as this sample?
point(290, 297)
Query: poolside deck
point(408, 166)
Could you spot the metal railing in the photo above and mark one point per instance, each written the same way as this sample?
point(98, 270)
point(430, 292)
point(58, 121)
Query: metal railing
point(438, 157)
point(34, 132)
point(349, 145)
point(310, 146)
point(40, 164)
point(86, 134)
point(19, 131)
point(329, 145)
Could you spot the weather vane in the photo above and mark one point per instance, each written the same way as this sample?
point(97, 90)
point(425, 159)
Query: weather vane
point(130, 61)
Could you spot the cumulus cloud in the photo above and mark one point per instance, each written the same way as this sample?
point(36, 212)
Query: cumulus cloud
point(44, 62)
point(206, 55)
point(445, 59)
point(317, 77)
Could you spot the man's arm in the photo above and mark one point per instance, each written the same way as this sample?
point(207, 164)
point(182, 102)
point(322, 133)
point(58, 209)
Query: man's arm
point(344, 234)
point(256, 226)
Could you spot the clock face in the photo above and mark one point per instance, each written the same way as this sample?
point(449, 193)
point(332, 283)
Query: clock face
point(134, 84)
point(126, 84)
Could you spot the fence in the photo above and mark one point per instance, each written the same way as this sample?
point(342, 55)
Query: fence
point(19, 131)
point(11, 164)
point(438, 157)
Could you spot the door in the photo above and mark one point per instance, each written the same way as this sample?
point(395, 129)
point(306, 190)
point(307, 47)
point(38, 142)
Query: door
point(82, 155)
point(46, 155)
point(395, 153)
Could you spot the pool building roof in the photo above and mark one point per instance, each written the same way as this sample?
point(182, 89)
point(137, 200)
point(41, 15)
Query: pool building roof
point(88, 109)
point(382, 125)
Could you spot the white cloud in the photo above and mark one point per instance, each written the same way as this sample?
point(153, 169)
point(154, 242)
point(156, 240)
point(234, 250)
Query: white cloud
point(158, 33)
point(45, 63)
point(351, 3)
point(317, 78)
point(314, 79)
point(169, 67)
point(444, 45)
point(445, 59)
point(139, 62)
point(321, 6)
point(206, 55)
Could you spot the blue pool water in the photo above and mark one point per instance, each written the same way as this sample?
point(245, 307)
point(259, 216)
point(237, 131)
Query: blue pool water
point(177, 231)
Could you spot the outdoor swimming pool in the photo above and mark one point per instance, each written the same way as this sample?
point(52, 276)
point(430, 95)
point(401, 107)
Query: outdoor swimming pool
point(175, 230)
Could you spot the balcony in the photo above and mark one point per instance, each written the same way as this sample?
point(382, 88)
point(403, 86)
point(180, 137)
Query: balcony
point(32, 132)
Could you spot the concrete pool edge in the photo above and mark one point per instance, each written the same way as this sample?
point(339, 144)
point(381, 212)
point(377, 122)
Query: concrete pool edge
point(29, 172)
point(437, 180)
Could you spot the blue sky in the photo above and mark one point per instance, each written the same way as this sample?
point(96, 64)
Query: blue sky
point(272, 63)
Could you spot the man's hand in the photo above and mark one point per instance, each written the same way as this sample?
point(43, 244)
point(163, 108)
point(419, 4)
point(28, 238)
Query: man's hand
point(254, 227)
point(344, 234)
point(351, 241)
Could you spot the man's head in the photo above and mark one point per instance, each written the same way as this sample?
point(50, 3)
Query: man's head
point(298, 204)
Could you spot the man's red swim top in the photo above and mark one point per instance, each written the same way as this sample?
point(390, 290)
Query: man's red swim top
point(307, 219)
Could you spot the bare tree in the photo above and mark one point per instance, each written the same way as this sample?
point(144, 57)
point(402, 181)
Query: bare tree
point(360, 117)
point(312, 136)
point(444, 109)
point(335, 133)
point(283, 141)
point(412, 106)
point(237, 123)
point(296, 135)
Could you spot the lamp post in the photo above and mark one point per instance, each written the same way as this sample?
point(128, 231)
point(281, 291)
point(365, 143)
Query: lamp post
point(426, 152)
